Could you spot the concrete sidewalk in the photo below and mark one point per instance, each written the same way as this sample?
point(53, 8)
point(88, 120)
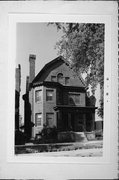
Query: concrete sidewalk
point(73, 153)
point(68, 143)
point(87, 149)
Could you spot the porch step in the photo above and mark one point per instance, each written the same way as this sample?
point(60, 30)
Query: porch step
point(80, 137)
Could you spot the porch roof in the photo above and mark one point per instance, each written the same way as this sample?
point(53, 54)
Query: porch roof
point(69, 108)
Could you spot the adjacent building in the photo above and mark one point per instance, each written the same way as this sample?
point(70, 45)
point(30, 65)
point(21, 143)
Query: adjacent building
point(17, 95)
point(57, 97)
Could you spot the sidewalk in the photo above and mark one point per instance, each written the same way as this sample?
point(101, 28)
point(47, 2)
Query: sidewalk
point(90, 148)
point(73, 153)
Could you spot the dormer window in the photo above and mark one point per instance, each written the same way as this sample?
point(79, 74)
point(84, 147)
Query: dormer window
point(66, 80)
point(53, 78)
point(60, 78)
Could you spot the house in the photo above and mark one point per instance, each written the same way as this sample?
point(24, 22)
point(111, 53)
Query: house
point(57, 97)
point(17, 95)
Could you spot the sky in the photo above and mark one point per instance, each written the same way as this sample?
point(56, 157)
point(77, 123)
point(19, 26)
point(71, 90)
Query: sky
point(34, 38)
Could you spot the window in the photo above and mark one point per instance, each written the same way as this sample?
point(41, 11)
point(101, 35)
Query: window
point(74, 99)
point(50, 119)
point(38, 119)
point(53, 78)
point(71, 99)
point(38, 94)
point(49, 95)
point(60, 78)
point(77, 98)
point(66, 80)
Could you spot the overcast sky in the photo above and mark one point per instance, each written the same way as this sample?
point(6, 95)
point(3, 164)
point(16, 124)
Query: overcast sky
point(38, 39)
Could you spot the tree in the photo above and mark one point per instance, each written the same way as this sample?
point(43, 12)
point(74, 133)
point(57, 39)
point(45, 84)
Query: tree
point(83, 46)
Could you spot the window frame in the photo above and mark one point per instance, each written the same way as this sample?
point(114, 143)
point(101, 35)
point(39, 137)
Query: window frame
point(52, 78)
point(36, 97)
point(36, 120)
point(47, 122)
point(74, 98)
point(67, 78)
point(50, 90)
point(61, 78)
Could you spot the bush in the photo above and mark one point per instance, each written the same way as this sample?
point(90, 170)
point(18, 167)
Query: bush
point(48, 134)
point(20, 138)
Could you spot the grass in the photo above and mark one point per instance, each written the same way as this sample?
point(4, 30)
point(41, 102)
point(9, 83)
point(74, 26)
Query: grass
point(54, 147)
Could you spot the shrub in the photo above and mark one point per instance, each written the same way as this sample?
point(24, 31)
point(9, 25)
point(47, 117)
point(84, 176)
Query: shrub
point(48, 134)
point(20, 138)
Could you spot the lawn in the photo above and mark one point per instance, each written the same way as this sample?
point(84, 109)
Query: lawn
point(57, 147)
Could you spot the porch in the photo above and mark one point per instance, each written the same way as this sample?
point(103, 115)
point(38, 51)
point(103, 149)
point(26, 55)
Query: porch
point(74, 121)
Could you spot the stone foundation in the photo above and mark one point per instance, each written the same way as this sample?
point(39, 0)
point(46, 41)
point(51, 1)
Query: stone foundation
point(71, 136)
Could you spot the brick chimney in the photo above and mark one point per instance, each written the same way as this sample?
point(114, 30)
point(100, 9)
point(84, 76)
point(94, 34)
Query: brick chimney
point(18, 79)
point(32, 67)
point(27, 84)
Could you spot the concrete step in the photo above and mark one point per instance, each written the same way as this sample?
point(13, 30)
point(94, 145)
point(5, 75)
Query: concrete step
point(80, 137)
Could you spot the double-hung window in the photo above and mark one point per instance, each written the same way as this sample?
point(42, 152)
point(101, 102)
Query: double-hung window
point(50, 119)
point(38, 119)
point(38, 96)
point(49, 95)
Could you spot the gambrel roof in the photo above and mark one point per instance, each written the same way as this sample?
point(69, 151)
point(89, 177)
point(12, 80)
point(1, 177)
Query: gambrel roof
point(53, 68)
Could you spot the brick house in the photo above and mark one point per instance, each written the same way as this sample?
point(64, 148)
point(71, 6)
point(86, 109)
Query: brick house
point(57, 97)
point(17, 95)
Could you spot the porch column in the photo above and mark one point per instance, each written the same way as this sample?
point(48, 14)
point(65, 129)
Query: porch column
point(93, 122)
point(69, 122)
point(59, 120)
point(84, 122)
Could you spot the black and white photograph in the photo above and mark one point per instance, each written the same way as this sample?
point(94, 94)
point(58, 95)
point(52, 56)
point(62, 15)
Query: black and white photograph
point(59, 89)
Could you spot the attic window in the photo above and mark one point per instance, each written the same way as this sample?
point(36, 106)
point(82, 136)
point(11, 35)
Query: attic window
point(66, 80)
point(53, 78)
point(60, 78)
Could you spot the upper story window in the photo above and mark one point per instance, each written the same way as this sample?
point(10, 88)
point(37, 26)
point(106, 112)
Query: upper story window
point(60, 78)
point(38, 119)
point(53, 78)
point(74, 99)
point(77, 98)
point(49, 95)
point(38, 95)
point(66, 80)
